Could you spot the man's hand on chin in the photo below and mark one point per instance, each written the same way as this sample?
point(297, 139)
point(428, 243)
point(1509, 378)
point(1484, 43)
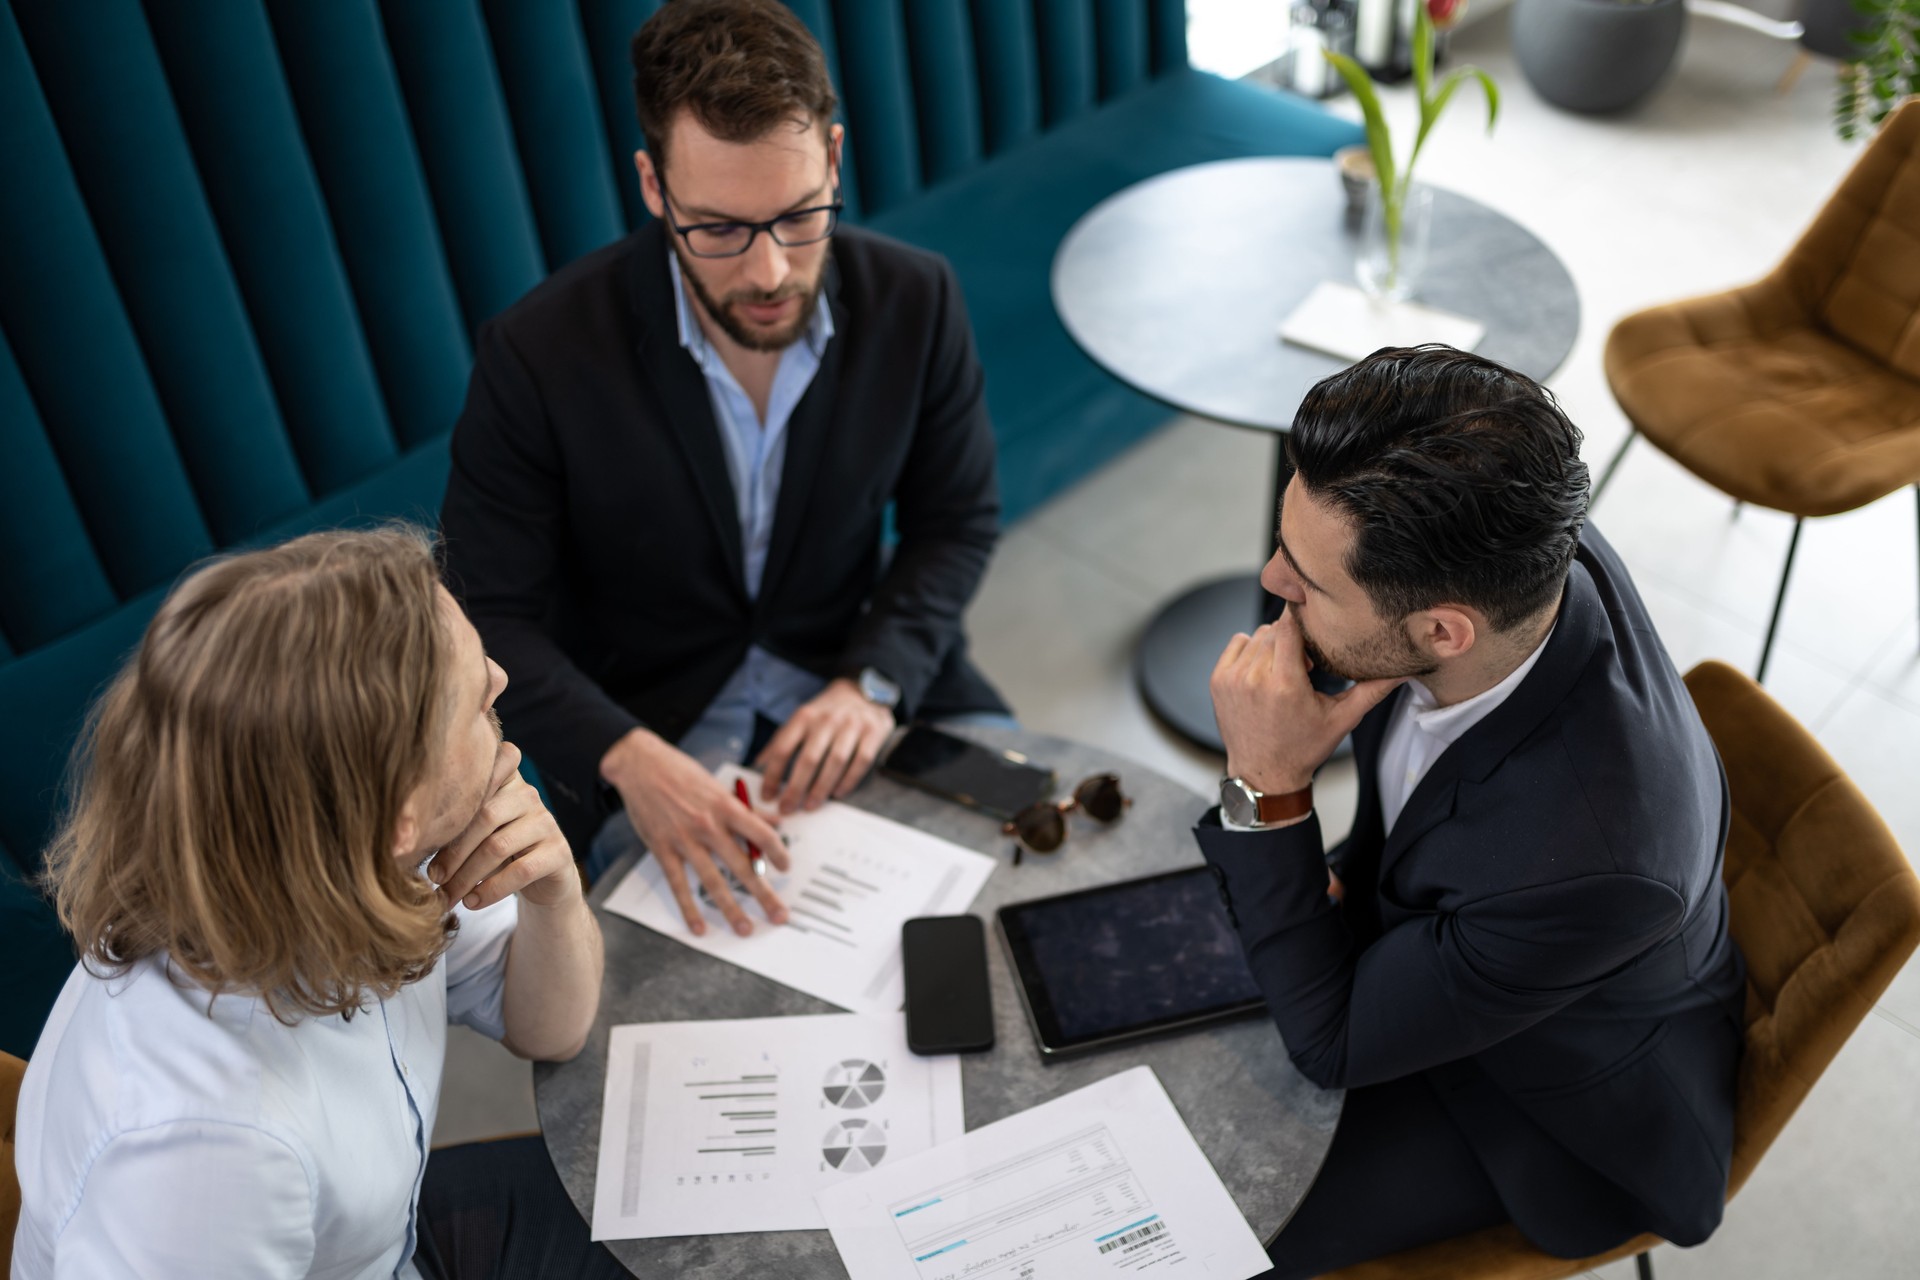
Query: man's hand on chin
point(825, 750)
point(513, 845)
point(1276, 727)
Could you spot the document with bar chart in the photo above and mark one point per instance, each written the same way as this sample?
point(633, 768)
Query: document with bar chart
point(855, 879)
point(1104, 1181)
point(713, 1127)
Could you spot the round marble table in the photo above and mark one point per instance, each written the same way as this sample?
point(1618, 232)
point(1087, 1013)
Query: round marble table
point(1178, 286)
point(1264, 1126)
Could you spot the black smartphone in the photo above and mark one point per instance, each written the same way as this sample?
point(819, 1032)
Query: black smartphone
point(1001, 783)
point(949, 1006)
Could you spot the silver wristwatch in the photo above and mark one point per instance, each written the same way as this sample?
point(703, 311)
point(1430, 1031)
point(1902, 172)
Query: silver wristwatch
point(879, 690)
point(1243, 806)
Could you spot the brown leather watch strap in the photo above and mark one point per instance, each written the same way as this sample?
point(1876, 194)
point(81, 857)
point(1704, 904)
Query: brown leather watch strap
point(1286, 806)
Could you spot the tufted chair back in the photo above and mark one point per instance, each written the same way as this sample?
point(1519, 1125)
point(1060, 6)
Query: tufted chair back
point(1856, 270)
point(1825, 906)
point(244, 245)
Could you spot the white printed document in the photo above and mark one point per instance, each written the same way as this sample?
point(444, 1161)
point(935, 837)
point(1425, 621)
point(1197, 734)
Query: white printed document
point(855, 879)
point(1106, 1181)
point(1339, 320)
point(712, 1127)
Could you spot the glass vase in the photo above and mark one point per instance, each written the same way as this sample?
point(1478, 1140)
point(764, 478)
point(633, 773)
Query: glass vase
point(1393, 241)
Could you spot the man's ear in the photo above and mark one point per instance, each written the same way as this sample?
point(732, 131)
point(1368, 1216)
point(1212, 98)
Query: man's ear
point(649, 183)
point(836, 144)
point(406, 832)
point(1445, 631)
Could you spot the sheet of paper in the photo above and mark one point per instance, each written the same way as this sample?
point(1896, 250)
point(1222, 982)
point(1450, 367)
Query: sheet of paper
point(712, 1127)
point(1343, 321)
point(1105, 1181)
point(856, 878)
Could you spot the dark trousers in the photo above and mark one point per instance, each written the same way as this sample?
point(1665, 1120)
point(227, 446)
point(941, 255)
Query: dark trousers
point(497, 1211)
point(1399, 1174)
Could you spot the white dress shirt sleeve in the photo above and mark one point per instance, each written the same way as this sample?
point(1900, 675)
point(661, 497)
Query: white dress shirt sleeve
point(191, 1199)
point(477, 967)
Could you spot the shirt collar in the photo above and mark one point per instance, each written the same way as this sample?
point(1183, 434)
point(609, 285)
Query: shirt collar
point(694, 338)
point(1450, 723)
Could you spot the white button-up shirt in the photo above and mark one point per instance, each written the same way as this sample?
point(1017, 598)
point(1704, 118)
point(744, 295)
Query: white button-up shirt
point(1420, 731)
point(163, 1134)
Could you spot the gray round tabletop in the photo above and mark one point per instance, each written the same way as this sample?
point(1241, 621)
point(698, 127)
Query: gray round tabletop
point(1265, 1127)
point(1178, 284)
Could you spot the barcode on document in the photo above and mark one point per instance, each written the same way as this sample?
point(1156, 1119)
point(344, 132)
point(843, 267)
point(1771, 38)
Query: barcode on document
point(1133, 1237)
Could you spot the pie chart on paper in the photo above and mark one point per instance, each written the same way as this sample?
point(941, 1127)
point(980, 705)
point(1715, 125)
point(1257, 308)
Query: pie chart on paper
point(854, 1145)
point(854, 1083)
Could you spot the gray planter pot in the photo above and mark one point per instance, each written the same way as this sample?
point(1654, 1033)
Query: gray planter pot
point(1830, 26)
point(1596, 56)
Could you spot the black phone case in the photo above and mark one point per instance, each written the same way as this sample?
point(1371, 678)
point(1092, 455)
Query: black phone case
point(920, 1043)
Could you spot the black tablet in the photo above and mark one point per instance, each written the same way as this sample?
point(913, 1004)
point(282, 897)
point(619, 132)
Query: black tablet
point(1127, 960)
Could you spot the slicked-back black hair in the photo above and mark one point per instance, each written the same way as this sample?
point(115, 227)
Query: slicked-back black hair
point(1462, 478)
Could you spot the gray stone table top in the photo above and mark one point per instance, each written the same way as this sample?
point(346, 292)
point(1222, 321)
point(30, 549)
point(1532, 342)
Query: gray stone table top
point(1264, 1126)
point(1178, 284)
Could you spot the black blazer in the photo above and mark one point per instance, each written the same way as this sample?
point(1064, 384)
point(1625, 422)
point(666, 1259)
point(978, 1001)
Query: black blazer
point(591, 527)
point(1544, 934)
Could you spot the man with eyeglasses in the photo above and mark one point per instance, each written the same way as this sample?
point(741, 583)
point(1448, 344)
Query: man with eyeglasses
point(671, 476)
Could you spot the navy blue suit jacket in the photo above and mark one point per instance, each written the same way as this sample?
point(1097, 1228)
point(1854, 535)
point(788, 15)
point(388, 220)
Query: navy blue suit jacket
point(1543, 933)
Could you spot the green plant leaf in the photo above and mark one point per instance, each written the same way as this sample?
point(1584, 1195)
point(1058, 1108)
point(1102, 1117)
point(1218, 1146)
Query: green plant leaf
point(1422, 57)
point(1448, 87)
point(1379, 141)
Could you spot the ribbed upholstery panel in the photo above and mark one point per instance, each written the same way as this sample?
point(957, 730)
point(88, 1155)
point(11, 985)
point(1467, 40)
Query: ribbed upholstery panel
point(818, 15)
point(1068, 73)
point(233, 100)
point(363, 149)
point(1123, 44)
point(1168, 33)
point(609, 27)
point(548, 76)
point(50, 580)
point(444, 58)
point(873, 69)
point(103, 80)
point(945, 87)
point(76, 350)
point(1004, 45)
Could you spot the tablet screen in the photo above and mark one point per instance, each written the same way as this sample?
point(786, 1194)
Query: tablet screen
point(1127, 959)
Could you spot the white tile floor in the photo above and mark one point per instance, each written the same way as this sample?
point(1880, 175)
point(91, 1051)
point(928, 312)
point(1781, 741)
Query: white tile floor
point(1702, 189)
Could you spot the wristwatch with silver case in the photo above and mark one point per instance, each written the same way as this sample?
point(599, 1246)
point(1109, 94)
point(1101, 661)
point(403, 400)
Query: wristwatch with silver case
point(879, 690)
point(1243, 806)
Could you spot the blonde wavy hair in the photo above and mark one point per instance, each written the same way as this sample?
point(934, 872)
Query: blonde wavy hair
point(237, 788)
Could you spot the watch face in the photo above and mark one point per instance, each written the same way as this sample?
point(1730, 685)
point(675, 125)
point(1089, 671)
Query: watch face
point(878, 689)
point(1239, 803)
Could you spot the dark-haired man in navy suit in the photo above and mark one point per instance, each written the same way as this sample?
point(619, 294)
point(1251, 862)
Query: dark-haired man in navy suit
point(1520, 969)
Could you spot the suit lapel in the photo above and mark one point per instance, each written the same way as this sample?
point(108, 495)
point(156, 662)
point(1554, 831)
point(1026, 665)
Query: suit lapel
point(1360, 865)
point(808, 434)
point(1482, 748)
point(684, 400)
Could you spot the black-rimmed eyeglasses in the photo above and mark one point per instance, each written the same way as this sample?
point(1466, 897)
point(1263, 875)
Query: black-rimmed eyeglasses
point(731, 239)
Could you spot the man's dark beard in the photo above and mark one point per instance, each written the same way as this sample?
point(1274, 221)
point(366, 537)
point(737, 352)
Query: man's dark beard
point(1376, 659)
point(731, 324)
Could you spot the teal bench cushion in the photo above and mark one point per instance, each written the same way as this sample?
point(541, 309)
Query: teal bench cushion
point(1057, 415)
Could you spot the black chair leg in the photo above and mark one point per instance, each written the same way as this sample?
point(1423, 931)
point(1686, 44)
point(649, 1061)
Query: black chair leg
point(1644, 1264)
point(1614, 466)
point(1773, 624)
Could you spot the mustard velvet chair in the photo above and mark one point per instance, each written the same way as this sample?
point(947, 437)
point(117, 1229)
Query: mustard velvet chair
point(1826, 909)
point(12, 1071)
point(1799, 392)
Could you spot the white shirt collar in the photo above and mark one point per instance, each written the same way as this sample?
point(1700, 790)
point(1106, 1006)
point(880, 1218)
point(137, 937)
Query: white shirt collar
point(1450, 723)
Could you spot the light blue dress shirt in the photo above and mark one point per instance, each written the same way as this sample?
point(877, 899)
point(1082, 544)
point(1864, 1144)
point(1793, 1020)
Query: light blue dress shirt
point(756, 457)
point(165, 1135)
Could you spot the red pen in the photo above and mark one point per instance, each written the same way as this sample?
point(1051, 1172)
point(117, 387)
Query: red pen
point(754, 860)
